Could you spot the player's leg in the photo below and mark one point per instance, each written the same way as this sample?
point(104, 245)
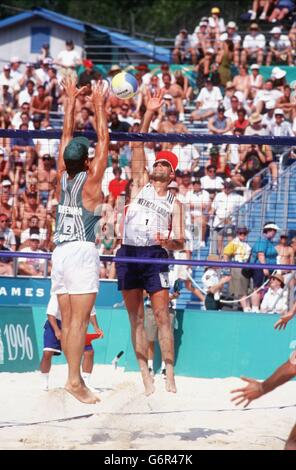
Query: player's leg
point(133, 299)
point(160, 306)
point(81, 306)
point(45, 366)
point(87, 364)
point(291, 442)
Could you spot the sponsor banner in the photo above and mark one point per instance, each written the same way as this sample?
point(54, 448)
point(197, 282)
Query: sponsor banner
point(32, 291)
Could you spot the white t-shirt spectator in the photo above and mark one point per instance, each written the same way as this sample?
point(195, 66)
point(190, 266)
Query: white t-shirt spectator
point(186, 154)
point(254, 42)
point(209, 99)
point(282, 130)
point(236, 38)
point(225, 206)
point(150, 158)
point(9, 238)
point(280, 44)
point(270, 298)
point(211, 183)
point(267, 95)
point(198, 200)
point(24, 97)
point(68, 58)
point(213, 22)
point(25, 235)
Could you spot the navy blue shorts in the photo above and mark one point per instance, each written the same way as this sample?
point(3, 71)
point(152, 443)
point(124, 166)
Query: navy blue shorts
point(151, 277)
point(50, 341)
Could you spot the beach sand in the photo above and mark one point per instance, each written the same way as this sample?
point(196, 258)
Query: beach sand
point(199, 416)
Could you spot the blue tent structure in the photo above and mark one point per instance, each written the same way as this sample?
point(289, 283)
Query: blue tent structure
point(142, 48)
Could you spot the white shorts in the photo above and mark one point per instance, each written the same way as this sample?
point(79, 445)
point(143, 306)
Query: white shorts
point(75, 268)
point(54, 309)
point(182, 270)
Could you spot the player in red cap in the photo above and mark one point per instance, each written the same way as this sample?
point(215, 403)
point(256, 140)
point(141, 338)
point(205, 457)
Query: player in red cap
point(153, 225)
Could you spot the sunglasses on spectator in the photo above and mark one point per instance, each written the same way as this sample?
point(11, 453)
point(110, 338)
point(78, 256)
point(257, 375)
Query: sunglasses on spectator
point(211, 171)
point(3, 220)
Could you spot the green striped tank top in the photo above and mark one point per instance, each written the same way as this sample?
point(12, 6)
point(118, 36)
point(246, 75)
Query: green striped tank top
point(73, 221)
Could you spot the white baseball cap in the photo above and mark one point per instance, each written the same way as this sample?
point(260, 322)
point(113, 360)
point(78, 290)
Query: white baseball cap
point(276, 30)
point(255, 67)
point(34, 236)
point(278, 111)
point(6, 183)
point(231, 24)
point(278, 73)
point(272, 226)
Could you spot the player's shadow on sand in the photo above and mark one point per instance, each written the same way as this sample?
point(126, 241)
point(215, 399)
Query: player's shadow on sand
point(191, 435)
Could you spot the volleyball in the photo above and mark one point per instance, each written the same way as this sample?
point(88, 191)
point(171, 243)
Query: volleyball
point(124, 85)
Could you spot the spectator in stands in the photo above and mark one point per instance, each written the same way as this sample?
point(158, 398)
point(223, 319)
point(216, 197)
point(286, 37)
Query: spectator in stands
point(31, 206)
point(176, 92)
point(224, 60)
point(287, 103)
point(41, 104)
point(68, 59)
point(89, 74)
point(275, 300)
point(207, 102)
point(5, 263)
point(27, 94)
point(53, 88)
point(183, 82)
point(199, 42)
point(84, 121)
point(6, 98)
point(44, 52)
point(165, 69)
point(182, 50)
point(185, 185)
point(285, 252)
point(15, 64)
point(9, 237)
point(219, 162)
point(224, 209)
point(268, 117)
point(42, 72)
point(219, 124)
point(172, 125)
point(117, 185)
point(4, 165)
point(199, 203)
point(280, 50)
point(260, 9)
point(242, 81)
point(253, 46)
point(239, 250)
point(216, 22)
point(188, 157)
point(211, 182)
point(212, 284)
point(46, 175)
point(263, 252)
point(116, 125)
point(6, 200)
point(278, 77)
point(292, 36)
point(125, 114)
point(34, 227)
point(256, 80)
point(282, 8)
point(7, 79)
point(265, 95)
point(280, 127)
point(241, 123)
point(207, 69)
point(32, 267)
point(232, 35)
point(29, 74)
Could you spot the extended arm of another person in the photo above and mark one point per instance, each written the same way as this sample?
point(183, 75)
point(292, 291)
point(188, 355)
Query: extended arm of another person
point(261, 259)
point(139, 173)
point(255, 389)
point(94, 322)
point(54, 324)
point(282, 322)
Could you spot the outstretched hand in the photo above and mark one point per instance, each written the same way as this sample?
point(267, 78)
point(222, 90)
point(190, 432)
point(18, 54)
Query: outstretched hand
point(70, 88)
point(282, 322)
point(99, 93)
point(247, 394)
point(154, 102)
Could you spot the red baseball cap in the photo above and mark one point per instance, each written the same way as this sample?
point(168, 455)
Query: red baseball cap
point(167, 156)
point(88, 63)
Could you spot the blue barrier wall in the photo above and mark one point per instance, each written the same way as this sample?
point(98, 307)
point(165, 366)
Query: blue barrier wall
point(208, 344)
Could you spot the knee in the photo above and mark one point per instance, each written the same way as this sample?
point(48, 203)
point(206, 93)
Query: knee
point(47, 355)
point(161, 316)
point(290, 444)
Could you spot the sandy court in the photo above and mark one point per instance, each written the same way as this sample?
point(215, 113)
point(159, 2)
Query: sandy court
point(125, 419)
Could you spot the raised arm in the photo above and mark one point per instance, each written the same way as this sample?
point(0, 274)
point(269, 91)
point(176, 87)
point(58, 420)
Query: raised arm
point(139, 173)
point(71, 92)
point(98, 164)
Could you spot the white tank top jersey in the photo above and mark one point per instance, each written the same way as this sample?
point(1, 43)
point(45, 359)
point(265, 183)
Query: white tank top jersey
point(147, 215)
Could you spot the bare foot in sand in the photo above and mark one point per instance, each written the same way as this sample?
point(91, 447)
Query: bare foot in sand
point(82, 393)
point(170, 384)
point(148, 382)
